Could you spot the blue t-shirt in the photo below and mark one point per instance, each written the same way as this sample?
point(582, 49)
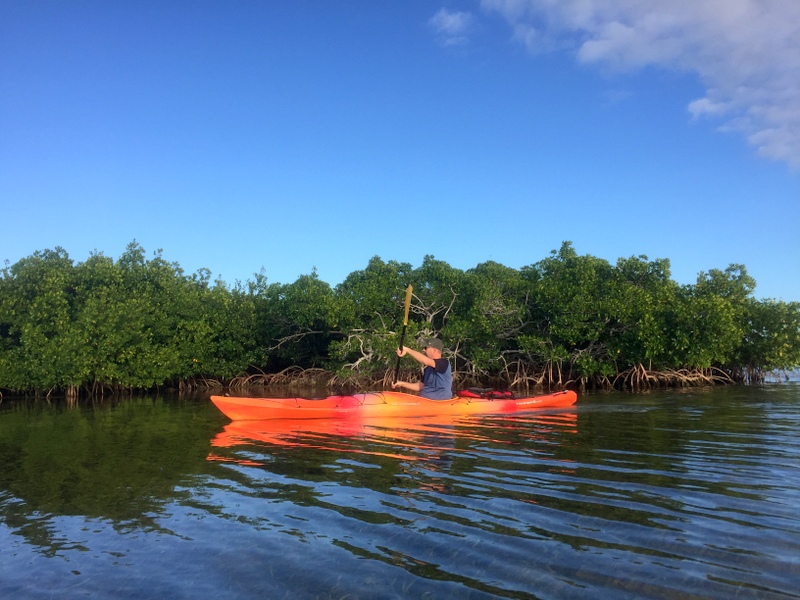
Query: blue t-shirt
point(437, 382)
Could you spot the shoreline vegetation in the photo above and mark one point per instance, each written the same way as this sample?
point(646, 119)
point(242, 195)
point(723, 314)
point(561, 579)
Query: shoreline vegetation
point(106, 327)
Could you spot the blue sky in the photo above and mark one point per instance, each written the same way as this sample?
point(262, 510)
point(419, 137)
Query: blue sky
point(301, 135)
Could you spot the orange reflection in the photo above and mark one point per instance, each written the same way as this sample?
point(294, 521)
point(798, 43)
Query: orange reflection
point(402, 438)
point(408, 439)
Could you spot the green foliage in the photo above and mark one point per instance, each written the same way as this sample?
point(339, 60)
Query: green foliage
point(710, 319)
point(571, 313)
point(772, 336)
point(640, 300)
point(130, 324)
point(141, 323)
point(297, 321)
point(370, 314)
point(491, 311)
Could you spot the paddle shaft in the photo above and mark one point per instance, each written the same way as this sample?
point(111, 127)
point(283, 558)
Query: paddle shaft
point(403, 332)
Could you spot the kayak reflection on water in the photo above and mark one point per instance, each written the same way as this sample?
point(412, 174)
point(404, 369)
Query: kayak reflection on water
point(414, 439)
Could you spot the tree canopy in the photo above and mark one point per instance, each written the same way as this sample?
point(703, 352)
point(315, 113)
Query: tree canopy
point(569, 319)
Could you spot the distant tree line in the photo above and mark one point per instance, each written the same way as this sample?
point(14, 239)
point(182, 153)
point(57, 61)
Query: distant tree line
point(568, 320)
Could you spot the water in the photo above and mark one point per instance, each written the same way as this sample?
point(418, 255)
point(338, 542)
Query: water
point(679, 494)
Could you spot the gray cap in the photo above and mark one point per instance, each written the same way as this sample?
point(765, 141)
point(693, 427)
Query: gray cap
point(432, 342)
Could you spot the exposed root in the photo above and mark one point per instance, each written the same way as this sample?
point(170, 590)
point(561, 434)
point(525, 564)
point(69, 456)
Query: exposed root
point(519, 375)
point(291, 376)
point(638, 377)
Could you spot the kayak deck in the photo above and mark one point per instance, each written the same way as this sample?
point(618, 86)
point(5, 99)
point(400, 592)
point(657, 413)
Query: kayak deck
point(380, 404)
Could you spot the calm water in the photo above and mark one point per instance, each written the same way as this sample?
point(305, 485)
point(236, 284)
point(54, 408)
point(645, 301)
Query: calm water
point(683, 494)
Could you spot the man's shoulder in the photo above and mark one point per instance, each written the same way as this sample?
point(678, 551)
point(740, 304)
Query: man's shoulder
point(442, 364)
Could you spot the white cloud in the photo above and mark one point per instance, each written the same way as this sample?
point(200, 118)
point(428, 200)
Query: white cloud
point(746, 53)
point(452, 27)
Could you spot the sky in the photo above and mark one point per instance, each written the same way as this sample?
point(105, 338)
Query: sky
point(314, 135)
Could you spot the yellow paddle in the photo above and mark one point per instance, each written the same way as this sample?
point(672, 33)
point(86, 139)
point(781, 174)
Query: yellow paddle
point(403, 333)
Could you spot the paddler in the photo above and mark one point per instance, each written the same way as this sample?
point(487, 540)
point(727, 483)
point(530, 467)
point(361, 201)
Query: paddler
point(437, 377)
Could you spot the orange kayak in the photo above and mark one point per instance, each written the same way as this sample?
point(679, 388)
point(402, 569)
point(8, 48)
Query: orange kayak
point(379, 405)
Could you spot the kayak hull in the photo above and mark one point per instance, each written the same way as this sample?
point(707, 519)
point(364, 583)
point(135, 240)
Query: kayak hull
point(380, 405)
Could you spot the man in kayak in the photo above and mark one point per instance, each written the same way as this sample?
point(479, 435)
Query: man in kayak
point(437, 377)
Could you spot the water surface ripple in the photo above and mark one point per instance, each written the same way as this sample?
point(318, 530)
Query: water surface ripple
point(681, 494)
